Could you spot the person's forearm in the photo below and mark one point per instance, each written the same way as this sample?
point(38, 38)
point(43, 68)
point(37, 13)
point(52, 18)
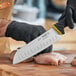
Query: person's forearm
point(3, 26)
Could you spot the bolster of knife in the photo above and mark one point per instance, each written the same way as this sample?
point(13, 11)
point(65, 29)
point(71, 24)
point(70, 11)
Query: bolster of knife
point(59, 29)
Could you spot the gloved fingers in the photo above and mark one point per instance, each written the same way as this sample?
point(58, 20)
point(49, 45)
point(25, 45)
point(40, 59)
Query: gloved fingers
point(38, 30)
point(69, 20)
point(61, 20)
point(35, 35)
point(62, 16)
point(74, 16)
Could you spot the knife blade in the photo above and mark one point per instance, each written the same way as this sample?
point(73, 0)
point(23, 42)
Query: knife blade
point(36, 46)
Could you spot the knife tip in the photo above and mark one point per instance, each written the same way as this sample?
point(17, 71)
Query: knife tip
point(14, 62)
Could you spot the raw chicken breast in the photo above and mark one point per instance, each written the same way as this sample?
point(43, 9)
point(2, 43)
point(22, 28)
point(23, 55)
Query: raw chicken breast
point(74, 62)
point(50, 58)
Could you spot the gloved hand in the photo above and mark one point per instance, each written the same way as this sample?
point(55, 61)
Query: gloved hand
point(68, 17)
point(25, 32)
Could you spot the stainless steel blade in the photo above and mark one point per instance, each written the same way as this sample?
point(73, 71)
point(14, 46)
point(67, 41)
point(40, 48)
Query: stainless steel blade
point(36, 46)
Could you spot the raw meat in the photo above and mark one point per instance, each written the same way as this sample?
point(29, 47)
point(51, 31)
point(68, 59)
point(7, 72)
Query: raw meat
point(50, 58)
point(74, 62)
point(46, 58)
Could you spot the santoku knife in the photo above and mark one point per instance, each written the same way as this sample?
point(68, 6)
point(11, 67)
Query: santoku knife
point(37, 45)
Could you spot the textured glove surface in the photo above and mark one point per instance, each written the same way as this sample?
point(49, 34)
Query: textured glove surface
point(25, 32)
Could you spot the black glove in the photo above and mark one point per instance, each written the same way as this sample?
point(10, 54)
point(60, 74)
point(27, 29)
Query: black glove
point(68, 17)
point(25, 32)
